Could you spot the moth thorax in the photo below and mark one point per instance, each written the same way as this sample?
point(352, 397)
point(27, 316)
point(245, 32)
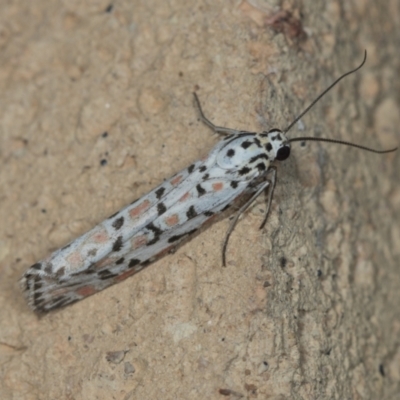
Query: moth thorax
point(276, 144)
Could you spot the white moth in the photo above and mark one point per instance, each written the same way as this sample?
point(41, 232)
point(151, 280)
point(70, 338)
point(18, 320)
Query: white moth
point(237, 170)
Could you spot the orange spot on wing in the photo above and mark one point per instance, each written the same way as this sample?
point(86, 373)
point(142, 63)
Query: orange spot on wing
point(139, 209)
point(172, 220)
point(75, 259)
point(176, 180)
point(217, 186)
point(86, 291)
point(184, 197)
point(139, 241)
point(99, 237)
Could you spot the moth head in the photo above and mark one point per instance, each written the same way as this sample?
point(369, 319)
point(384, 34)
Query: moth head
point(276, 144)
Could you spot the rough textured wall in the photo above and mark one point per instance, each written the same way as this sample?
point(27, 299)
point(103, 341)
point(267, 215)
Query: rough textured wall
point(307, 308)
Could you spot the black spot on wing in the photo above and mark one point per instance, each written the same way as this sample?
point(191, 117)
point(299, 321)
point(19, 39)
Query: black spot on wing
point(117, 244)
point(151, 227)
point(191, 213)
point(118, 223)
point(157, 233)
point(277, 137)
point(92, 252)
point(208, 213)
point(147, 262)
point(203, 168)
point(234, 184)
point(261, 167)
point(152, 241)
point(257, 142)
point(133, 262)
point(120, 261)
point(161, 208)
point(175, 238)
point(48, 268)
point(259, 156)
point(88, 271)
point(200, 190)
point(244, 170)
point(191, 168)
point(37, 266)
point(159, 192)
point(106, 274)
point(246, 144)
point(205, 177)
point(268, 146)
point(230, 153)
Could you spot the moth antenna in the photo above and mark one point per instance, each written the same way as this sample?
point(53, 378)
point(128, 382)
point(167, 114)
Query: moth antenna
point(325, 92)
point(314, 139)
point(358, 146)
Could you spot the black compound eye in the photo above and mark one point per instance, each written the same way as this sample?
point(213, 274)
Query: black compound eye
point(283, 153)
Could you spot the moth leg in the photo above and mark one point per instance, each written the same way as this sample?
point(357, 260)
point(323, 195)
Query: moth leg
point(269, 193)
point(263, 186)
point(215, 128)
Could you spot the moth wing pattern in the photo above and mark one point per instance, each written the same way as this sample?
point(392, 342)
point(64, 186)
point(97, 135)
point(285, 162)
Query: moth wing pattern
point(94, 246)
point(127, 241)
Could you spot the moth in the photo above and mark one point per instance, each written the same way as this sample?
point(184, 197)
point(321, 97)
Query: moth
point(237, 169)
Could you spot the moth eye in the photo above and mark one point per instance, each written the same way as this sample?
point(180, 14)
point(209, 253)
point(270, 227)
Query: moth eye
point(283, 153)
